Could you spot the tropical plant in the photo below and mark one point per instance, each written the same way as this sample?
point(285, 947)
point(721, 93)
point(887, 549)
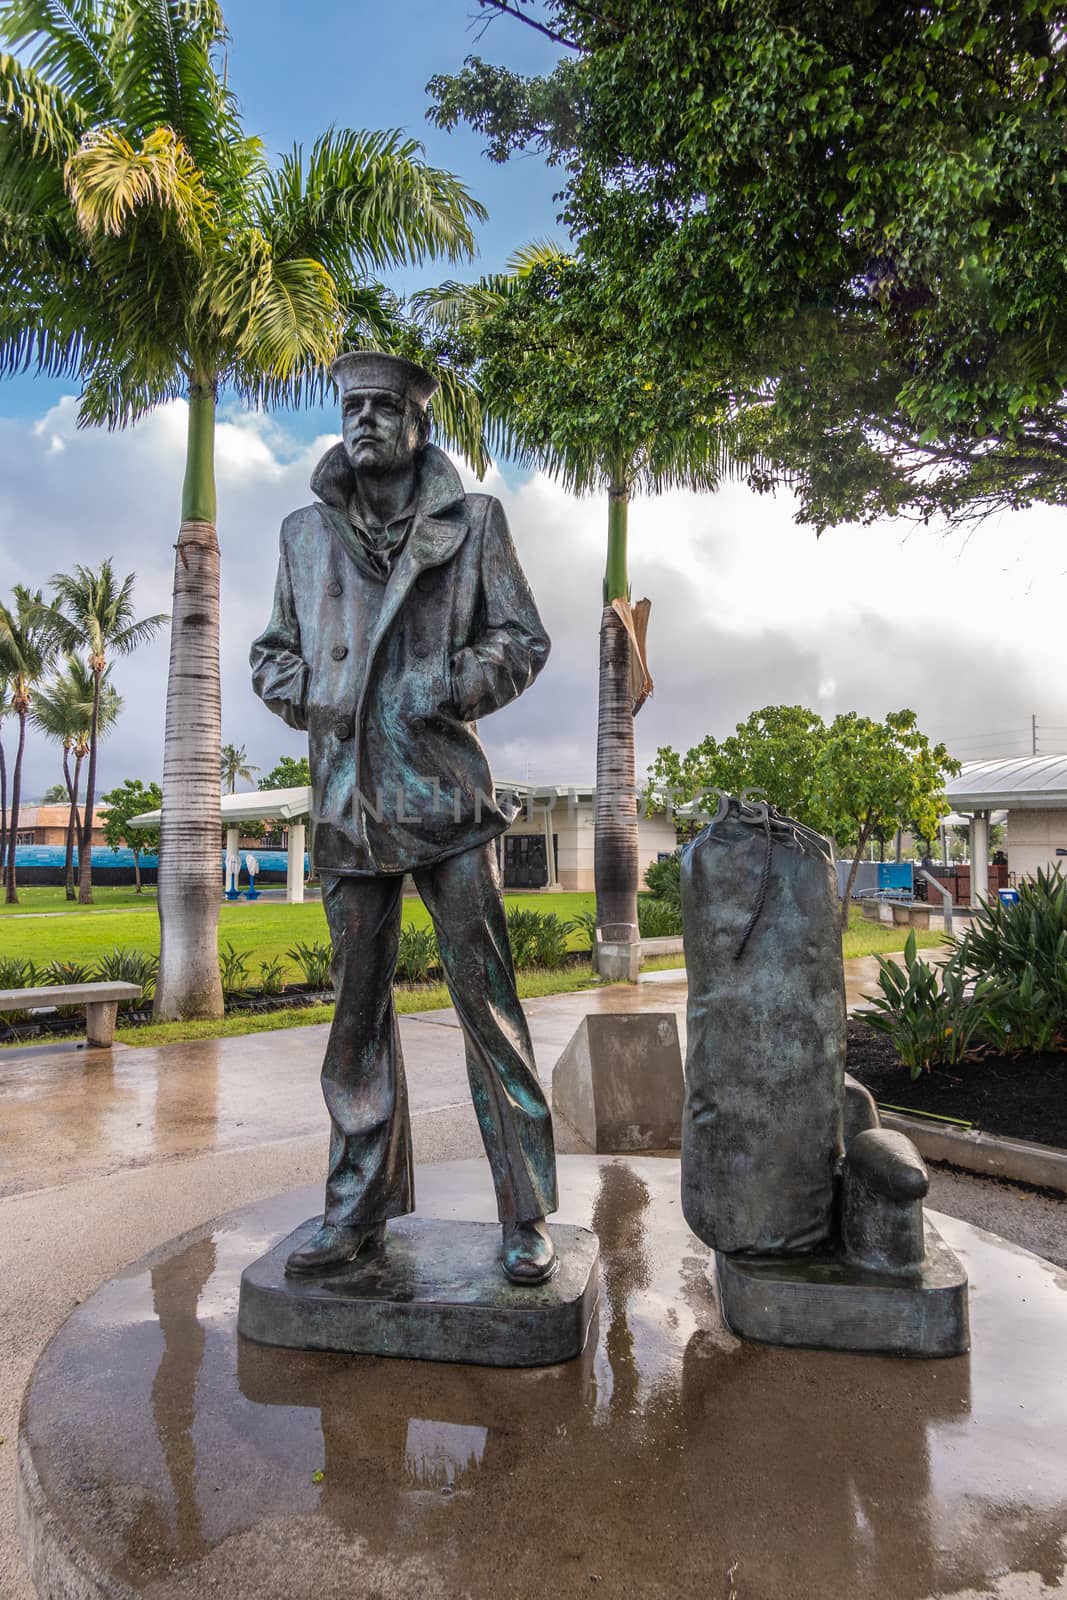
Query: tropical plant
point(933, 1015)
point(584, 922)
point(418, 954)
point(17, 972)
point(149, 250)
point(315, 960)
point(659, 919)
point(567, 388)
point(233, 764)
point(132, 798)
point(272, 975)
point(94, 613)
point(55, 795)
point(123, 965)
point(58, 974)
point(64, 709)
point(27, 650)
point(1022, 947)
point(538, 938)
point(664, 879)
point(233, 969)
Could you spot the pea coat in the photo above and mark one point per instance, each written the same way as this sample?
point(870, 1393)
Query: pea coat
point(389, 674)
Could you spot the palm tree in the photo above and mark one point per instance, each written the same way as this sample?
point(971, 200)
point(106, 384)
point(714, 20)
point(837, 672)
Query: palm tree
point(147, 249)
point(27, 650)
point(94, 613)
point(234, 765)
point(65, 710)
point(567, 387)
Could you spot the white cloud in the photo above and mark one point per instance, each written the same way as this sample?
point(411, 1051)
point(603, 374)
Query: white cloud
point(748, 609)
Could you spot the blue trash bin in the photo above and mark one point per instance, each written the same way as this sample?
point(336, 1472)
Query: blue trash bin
point(1010, 897)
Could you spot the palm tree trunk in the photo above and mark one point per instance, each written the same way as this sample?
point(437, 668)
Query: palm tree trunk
point(615, 852)
point(85, 837)
point(188, 984)
point(12, 893)
point(137, 870)
point(73, 824)
point(3, 808)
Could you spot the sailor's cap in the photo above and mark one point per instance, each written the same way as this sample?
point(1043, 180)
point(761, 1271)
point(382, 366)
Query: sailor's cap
point(369, 369)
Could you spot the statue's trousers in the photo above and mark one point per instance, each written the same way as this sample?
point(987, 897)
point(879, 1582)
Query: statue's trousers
point(370, 1174)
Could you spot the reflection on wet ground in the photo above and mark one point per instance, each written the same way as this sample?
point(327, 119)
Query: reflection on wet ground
point(666, 1458)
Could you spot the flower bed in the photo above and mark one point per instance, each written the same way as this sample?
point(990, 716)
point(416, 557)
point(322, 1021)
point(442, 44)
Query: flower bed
point(1022, 1096)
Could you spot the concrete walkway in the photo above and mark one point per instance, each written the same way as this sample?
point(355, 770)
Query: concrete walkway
point(107, 1154)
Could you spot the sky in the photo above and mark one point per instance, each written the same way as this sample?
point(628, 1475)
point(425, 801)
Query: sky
point(748, 609)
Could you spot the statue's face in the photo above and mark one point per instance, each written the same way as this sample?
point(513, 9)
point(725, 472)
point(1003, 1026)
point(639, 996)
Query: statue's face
point(381, 432)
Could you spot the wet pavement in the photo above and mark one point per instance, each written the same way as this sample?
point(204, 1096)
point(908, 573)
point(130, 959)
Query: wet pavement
point(76, 1113)
point(225, 1123)
point(169, 1458)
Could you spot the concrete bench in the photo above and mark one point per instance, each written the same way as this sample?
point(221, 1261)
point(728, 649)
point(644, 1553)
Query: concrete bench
point(101, 1002)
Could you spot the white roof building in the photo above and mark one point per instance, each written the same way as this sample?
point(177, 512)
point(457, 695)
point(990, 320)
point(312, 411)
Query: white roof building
point(1032, 790)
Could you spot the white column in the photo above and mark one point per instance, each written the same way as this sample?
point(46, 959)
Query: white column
point(294, 865)
point(550, 854)
point(233, 848)
point(979, 857)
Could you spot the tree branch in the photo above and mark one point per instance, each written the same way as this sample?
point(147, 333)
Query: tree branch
point(507, 10)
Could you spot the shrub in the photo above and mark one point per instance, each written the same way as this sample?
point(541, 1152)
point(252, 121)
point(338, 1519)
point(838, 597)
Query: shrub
point(658, 919)
point(584, 923)
point(129, 966)
point(17, 972)
point(272, 975)
point(538, 938)
point(418, 955)
point(314, 960)
point(233, 970)
point(664, 879)
point(1023, 948)
point(934, 1017)
point(60, 973)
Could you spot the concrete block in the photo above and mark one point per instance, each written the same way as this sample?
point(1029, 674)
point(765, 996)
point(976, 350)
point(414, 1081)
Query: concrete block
point(616, 959)
point(620, 1081)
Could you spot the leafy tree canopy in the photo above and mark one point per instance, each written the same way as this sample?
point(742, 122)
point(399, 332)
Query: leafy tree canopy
point(851, 778)
point(858, 210)
point(291, 772)
point(130, 799)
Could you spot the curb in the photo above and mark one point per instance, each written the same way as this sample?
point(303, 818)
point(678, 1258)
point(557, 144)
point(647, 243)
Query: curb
point(988, 1154)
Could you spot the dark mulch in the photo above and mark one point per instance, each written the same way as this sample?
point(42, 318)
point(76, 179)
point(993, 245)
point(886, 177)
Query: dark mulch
point(1024, 1096)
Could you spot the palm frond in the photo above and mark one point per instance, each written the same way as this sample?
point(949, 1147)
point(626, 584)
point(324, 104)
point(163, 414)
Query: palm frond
point(538, 253)
point(69, 44)
point(110, 181)
point(170, 77)
point(365, 200)
point(50, 120)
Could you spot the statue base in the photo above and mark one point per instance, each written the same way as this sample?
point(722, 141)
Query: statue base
point(824, 1302)
point(435, 1292)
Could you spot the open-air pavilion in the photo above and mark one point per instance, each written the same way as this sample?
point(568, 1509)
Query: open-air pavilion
point(289, 806)
point(1033, 792)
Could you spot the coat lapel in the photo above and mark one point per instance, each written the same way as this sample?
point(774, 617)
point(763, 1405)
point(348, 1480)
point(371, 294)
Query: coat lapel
point(430, 543)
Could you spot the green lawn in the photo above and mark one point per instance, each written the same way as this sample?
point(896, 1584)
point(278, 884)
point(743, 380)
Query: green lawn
point(268, 928)
point(262, 929)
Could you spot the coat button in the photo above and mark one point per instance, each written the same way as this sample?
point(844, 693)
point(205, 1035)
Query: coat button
point(426, 583)
point(417, 724)
point(333, 588)
point(343, 730)
point(339, 652)
point(419, 649)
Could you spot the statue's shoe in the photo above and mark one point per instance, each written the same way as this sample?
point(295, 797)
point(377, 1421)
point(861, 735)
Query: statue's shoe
point(529, 1254)
point(332, 1248)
